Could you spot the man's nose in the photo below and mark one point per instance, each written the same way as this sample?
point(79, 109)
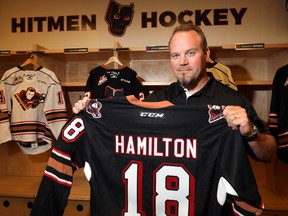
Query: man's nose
point(184, 60)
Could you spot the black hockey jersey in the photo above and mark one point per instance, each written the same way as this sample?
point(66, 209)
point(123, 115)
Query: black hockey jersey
point(108, 83)
point(278, 118)
point(161, 160)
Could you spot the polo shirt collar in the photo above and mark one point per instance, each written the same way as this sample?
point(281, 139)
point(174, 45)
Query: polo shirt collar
point(208, 90)
point(179, 90)
point(210, 86)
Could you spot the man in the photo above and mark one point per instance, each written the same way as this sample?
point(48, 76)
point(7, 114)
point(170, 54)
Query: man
point(188, 56)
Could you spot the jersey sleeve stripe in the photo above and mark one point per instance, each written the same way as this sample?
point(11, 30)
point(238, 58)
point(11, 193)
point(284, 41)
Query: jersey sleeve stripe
point(246, 206)
point(61, 154)
point(60, 167)
point(273, 114)
point(57, 179)
point(56, 115)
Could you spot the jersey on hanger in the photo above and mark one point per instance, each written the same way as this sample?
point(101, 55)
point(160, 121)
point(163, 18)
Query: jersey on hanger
point(161, 160)
point(223, 74)
point(32, 108)
point(278, 118)
point(108, 83)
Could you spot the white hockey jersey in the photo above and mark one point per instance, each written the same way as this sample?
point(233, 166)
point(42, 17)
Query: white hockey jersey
point(32, 108)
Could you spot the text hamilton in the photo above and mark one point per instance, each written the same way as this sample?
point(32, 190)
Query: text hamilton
point(157, 147)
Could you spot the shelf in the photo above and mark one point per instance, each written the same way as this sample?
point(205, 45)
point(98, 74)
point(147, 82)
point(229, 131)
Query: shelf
point(272, 199)
point(27, 187)
point(254, 82)
point(73, 84)
point(229, 51)
point(163, 84)
point(19, 186)
point(140, 53)
point(83, 84)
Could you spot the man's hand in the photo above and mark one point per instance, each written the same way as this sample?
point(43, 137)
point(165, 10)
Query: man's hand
point(238, 119)
point(80, 105)
point(264, 146)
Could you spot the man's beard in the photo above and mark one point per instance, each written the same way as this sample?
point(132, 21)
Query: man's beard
point(185, 81)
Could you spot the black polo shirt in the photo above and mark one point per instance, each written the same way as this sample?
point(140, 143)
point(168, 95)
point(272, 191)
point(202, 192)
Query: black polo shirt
point(214, 93)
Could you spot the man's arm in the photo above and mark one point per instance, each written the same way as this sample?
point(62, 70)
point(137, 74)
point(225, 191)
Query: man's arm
point(264, 147)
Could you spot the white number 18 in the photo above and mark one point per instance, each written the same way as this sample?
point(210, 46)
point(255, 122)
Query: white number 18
point(173, 190)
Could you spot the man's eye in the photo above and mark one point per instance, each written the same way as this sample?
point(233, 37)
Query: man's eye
point(174, 56)
point(191, 53)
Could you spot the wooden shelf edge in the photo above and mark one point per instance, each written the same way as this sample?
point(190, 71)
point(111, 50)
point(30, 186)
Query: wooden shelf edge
point(242, 82)
point(254, 82)
point(38, 48)
point(156, 83)
point(27, 187)
point(267, 46)
point(73, 84)
point(19, 186)
point(273, 200)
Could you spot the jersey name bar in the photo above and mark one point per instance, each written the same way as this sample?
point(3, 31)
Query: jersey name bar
point(156, 146)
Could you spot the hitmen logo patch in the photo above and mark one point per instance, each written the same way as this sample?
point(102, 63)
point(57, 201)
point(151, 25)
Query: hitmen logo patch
point(215, 113)
point(93, 108)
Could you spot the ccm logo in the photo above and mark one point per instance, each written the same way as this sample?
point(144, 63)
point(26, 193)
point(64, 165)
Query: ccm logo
point(152, 115)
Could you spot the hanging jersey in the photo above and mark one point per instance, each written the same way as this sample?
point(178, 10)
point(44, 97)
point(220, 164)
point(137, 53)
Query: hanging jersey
point(32, 108)
point(161, 160)
point(278, 118)
point(223, 74)
point(108, 83)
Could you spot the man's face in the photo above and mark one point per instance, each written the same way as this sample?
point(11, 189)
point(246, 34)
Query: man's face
point(187, 59)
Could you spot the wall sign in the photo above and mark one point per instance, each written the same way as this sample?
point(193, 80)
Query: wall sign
point(137, 23)
point(119, 17)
